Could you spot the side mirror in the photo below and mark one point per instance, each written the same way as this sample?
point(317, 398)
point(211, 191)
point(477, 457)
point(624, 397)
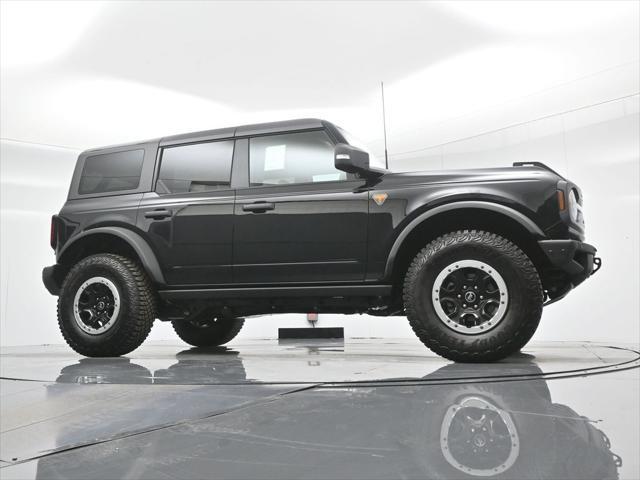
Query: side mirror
point(351, 159)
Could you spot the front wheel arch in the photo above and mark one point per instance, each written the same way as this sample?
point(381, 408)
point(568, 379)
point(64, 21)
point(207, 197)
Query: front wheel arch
point(427, 228)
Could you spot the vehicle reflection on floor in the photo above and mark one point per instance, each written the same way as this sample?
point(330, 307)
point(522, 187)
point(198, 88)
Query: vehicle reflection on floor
point(194, 366)
point(456, 428)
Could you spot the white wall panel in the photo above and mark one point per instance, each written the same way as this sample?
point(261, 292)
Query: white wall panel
point(34, 184)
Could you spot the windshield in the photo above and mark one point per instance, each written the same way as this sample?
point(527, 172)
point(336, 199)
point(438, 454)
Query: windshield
point(356, 142)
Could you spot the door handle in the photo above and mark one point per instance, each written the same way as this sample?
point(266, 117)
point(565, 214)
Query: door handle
point(158, 214)
point(258, 207)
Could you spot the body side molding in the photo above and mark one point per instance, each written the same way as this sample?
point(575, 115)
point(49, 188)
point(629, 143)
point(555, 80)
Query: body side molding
point(318, 291)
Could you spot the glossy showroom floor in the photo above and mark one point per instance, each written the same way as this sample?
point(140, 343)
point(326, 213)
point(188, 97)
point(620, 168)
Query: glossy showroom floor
point(320, 409)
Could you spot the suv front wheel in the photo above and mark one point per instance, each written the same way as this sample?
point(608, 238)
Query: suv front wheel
point(106, 306)
point(473, 296)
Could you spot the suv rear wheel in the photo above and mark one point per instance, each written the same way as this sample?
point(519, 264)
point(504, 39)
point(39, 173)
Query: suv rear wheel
point(208, 331)
point(106, 306)
point(473, 296)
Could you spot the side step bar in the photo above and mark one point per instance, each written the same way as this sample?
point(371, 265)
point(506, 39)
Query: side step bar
point(279, 292)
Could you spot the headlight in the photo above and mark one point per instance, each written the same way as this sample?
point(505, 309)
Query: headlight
point(570, 205)
point(574, 208)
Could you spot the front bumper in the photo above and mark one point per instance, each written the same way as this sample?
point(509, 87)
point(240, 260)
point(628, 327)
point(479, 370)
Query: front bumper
point(51, 277)
point(576, 259)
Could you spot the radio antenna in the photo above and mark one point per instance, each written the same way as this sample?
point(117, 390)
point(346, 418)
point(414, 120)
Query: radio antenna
point(384, 129)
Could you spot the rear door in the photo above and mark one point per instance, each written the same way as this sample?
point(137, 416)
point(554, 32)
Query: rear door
point(188, 218)
point(300, 220)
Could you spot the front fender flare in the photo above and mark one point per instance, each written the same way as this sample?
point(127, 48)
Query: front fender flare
point(523, 220)
point(139, 245)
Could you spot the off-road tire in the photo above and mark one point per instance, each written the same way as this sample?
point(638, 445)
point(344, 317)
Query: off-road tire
point(208, 334)
point(524, 308)
point(137, 306)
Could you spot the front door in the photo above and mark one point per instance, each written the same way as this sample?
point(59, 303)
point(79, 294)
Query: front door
point(300, 220)
point(188, 219)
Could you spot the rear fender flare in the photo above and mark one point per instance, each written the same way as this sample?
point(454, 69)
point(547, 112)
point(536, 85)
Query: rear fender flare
point(140, 246)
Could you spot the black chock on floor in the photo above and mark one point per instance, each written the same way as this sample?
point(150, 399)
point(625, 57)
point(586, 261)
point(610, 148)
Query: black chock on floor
point(320, 332)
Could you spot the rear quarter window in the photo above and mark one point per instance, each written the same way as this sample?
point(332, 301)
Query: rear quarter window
point(111, 172)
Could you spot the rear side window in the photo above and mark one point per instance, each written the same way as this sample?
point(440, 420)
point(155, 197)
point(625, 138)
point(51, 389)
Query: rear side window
point(200, 167)
point(111, 172)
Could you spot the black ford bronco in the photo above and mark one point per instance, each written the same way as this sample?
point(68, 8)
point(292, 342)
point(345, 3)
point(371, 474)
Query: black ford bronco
point(206, 228)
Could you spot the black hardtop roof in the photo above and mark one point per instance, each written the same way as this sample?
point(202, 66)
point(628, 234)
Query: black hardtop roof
point(227, 132)
point(253, 129)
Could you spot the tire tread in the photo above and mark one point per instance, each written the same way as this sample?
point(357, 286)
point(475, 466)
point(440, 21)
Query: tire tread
point(136, 327)
point(438, 343)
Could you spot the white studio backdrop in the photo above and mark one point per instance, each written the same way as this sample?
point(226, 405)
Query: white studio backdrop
point(511, 90)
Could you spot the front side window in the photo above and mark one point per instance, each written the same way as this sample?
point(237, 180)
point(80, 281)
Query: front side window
point(200, 167)
point(304, 157)
point(111, 172)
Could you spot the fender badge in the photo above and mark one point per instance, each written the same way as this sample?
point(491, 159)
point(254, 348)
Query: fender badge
point(379, 198)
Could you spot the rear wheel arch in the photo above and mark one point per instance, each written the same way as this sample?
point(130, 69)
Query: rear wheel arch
point(116, 240)
point(486, 216)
